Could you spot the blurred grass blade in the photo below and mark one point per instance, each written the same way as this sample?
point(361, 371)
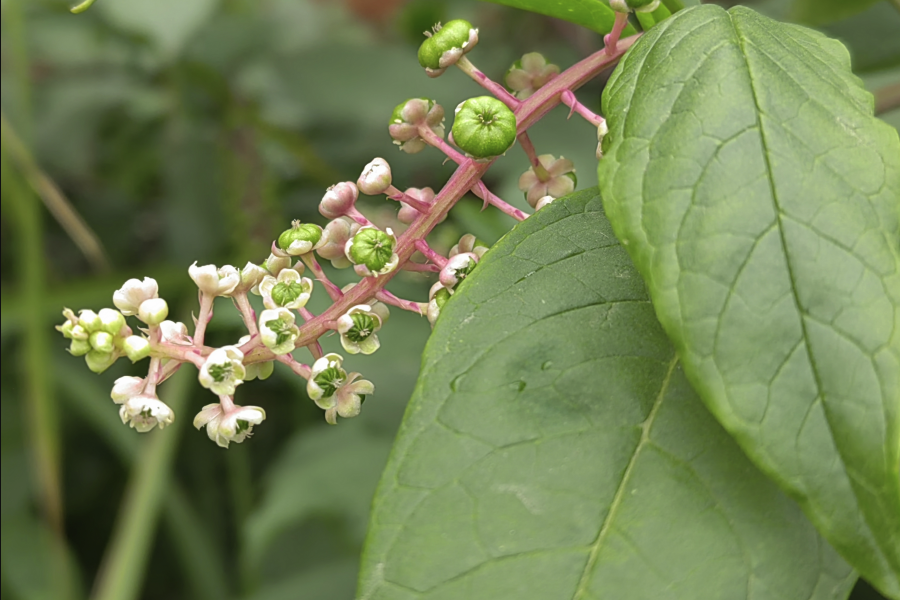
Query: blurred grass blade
point(203, 567)
point(82, 6)
point(58, 205)
point(128, 552)
point(39, 403)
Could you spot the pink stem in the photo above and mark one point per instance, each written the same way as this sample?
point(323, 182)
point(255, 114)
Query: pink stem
point(179, 353)
point(395, 194)
point(487, 83)
point(304, 312)
point(206, 304)
point(152, 376)
point(227, 403)
point(299, 368)
point(334, 292)
point(423, 247)
point(485, 194)
point(569, 99)
point(316, 350)
point(528, 147)
point(357, 216)
point(247, 313)
point(432, 139)
point(421, 268)
point(389, 298)
point(611, 40)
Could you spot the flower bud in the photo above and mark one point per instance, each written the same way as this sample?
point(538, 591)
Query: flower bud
point(251, 275)
point(274, 264)
point(102, 342)
point(89, 320)
point(602, 130)
point(136, 348)
point(529, 74)
point(407, 213)
point(469, 243)
point(375, 178)
point(446, 46)
point(405, 121)
point(336, 235)
point(277, 330)
point(484, 127)
point(111, 320)
point(98, 361)
point(338, 200)
point(153, 311)
point(175, 333)
point(543, 202)
point(300, 239)
point(457, 269)
point(373, 251)
point(79, 347)
point(129, 297)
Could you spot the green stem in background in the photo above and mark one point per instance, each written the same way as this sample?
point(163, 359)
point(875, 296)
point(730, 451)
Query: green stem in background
point(673, 5)
point(55, 201)
point(240, 484)
point(82, 6)
point(125, 561)
point(203, 565)
point(896, 4)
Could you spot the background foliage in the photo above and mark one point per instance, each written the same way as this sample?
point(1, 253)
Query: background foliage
point(183, 131)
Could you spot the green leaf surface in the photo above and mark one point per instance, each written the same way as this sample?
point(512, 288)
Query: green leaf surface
point(820, 12)
point(596, 15)
point(758, 197)
point(553, 449)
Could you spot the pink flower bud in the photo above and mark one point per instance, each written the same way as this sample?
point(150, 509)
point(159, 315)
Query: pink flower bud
point(338, 200)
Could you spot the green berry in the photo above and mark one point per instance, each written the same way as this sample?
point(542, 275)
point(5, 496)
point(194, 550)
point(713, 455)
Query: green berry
point(447, 44)
point(484, 127)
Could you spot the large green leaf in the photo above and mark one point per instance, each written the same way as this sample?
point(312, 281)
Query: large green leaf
point(553, 449)
point(596, 15)
point(758, 196)
point(819, 12)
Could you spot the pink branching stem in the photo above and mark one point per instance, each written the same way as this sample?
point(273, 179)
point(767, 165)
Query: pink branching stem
point(569, 99)
point(611, 40)
point(299, 368)
point(152, 376)
point(485, 194)
point(316, 350)
point(395, 194)
point(423, 247)
point(182, 353)
point(463, 179)
point(169, 369)
point(357, 216)
point(247, 313)
point(334, 292)
point(202, 320)
point(389, 298)
point(304, 312)
point(227, 403)
point(466, 66)
point(421, 268)
point(528, 147)
point(432, 139)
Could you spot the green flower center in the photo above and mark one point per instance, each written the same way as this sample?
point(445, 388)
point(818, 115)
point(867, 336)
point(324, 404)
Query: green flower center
point(286, 292)
point(282, 330)
point(330, 380)
point(363, 326)
point(220, 373)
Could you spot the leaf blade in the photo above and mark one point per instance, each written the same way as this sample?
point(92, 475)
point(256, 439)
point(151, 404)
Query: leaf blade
point(522, 469)
point(595, 15)
point(743, 221)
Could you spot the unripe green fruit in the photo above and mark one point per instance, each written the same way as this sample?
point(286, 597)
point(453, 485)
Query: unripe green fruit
point(484, 127)
point(456, 37)
point(300, 238)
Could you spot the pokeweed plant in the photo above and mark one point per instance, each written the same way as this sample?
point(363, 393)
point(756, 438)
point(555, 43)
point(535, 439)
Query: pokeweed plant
point(642, 389)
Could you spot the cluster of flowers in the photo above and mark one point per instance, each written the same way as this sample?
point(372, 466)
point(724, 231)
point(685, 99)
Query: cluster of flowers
point(484, 128)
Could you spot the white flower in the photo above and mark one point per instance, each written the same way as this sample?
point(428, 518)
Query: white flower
point(233, 426)
point(136, 347)
point(223, 370)
point(277, 330)
point(175, 333)
point(213, 281)
point(562, 179)
point(529, 74)
point(125, 388)
point(357, 328)
point(145, 411)
point(129, 297)
point(288, 290)
point(437, 298)
point(251, 275)
point(457, 268)
point(274, 264)
point(469, 243)
point(336, 391)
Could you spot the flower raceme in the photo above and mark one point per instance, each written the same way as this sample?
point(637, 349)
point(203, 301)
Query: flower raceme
point(484, 128)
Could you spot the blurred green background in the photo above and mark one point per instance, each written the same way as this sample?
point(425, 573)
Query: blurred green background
point(163, 132)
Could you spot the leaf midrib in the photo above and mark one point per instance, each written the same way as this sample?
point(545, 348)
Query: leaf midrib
point(623, 484)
